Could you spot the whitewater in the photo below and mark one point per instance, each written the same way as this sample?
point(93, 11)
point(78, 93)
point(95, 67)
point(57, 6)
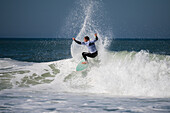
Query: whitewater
point(128, 74)
point(119, 81)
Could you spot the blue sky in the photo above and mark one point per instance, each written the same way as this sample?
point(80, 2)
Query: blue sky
point(45, 18)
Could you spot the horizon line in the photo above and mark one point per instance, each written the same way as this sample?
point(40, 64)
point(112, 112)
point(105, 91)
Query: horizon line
point(109, 38)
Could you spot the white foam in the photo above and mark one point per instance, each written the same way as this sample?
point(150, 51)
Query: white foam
point(124, 74)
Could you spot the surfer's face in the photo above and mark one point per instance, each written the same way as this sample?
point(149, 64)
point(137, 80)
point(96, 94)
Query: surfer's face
point(85, 40)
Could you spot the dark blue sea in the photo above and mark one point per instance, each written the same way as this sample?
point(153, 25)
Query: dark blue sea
point(52, 49)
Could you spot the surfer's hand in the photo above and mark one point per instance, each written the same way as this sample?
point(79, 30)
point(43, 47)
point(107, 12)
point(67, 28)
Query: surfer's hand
point(73, 38)
point(95, 34)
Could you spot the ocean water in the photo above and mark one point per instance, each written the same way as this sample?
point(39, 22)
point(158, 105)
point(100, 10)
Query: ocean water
point(52, 49)
point(38, 75)
point(35, 50)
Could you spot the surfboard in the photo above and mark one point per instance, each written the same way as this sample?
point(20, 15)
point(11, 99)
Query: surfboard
point(80, 66)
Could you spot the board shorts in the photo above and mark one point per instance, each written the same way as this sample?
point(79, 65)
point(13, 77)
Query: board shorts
point(91, 55)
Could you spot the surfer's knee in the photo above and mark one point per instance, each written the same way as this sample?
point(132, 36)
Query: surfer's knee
point(83, 53)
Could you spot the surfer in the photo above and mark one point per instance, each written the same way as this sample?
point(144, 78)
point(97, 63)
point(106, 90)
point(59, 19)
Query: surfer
point(91, 47)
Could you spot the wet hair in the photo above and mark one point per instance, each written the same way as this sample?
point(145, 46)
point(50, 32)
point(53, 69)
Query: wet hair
point(87, 38)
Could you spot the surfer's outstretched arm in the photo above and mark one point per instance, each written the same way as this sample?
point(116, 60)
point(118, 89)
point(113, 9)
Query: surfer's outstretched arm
point(96, 38)
point(78, 42)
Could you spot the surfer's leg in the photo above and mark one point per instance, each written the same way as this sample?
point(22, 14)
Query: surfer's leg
point(85, 54)
point(92, 55)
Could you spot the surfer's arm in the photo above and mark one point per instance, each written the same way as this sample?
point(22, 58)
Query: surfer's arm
point(78, 42)
point(96, 38)
point(81, 43)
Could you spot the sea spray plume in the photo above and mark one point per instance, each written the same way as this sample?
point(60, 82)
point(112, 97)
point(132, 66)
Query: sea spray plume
point(87, 27)
point(87, 17)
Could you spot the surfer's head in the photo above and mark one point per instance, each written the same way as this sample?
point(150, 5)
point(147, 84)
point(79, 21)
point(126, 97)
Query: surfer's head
point(86, 38)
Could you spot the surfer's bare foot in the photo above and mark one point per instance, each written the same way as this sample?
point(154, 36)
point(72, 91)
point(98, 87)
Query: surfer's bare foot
point(84, 62)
